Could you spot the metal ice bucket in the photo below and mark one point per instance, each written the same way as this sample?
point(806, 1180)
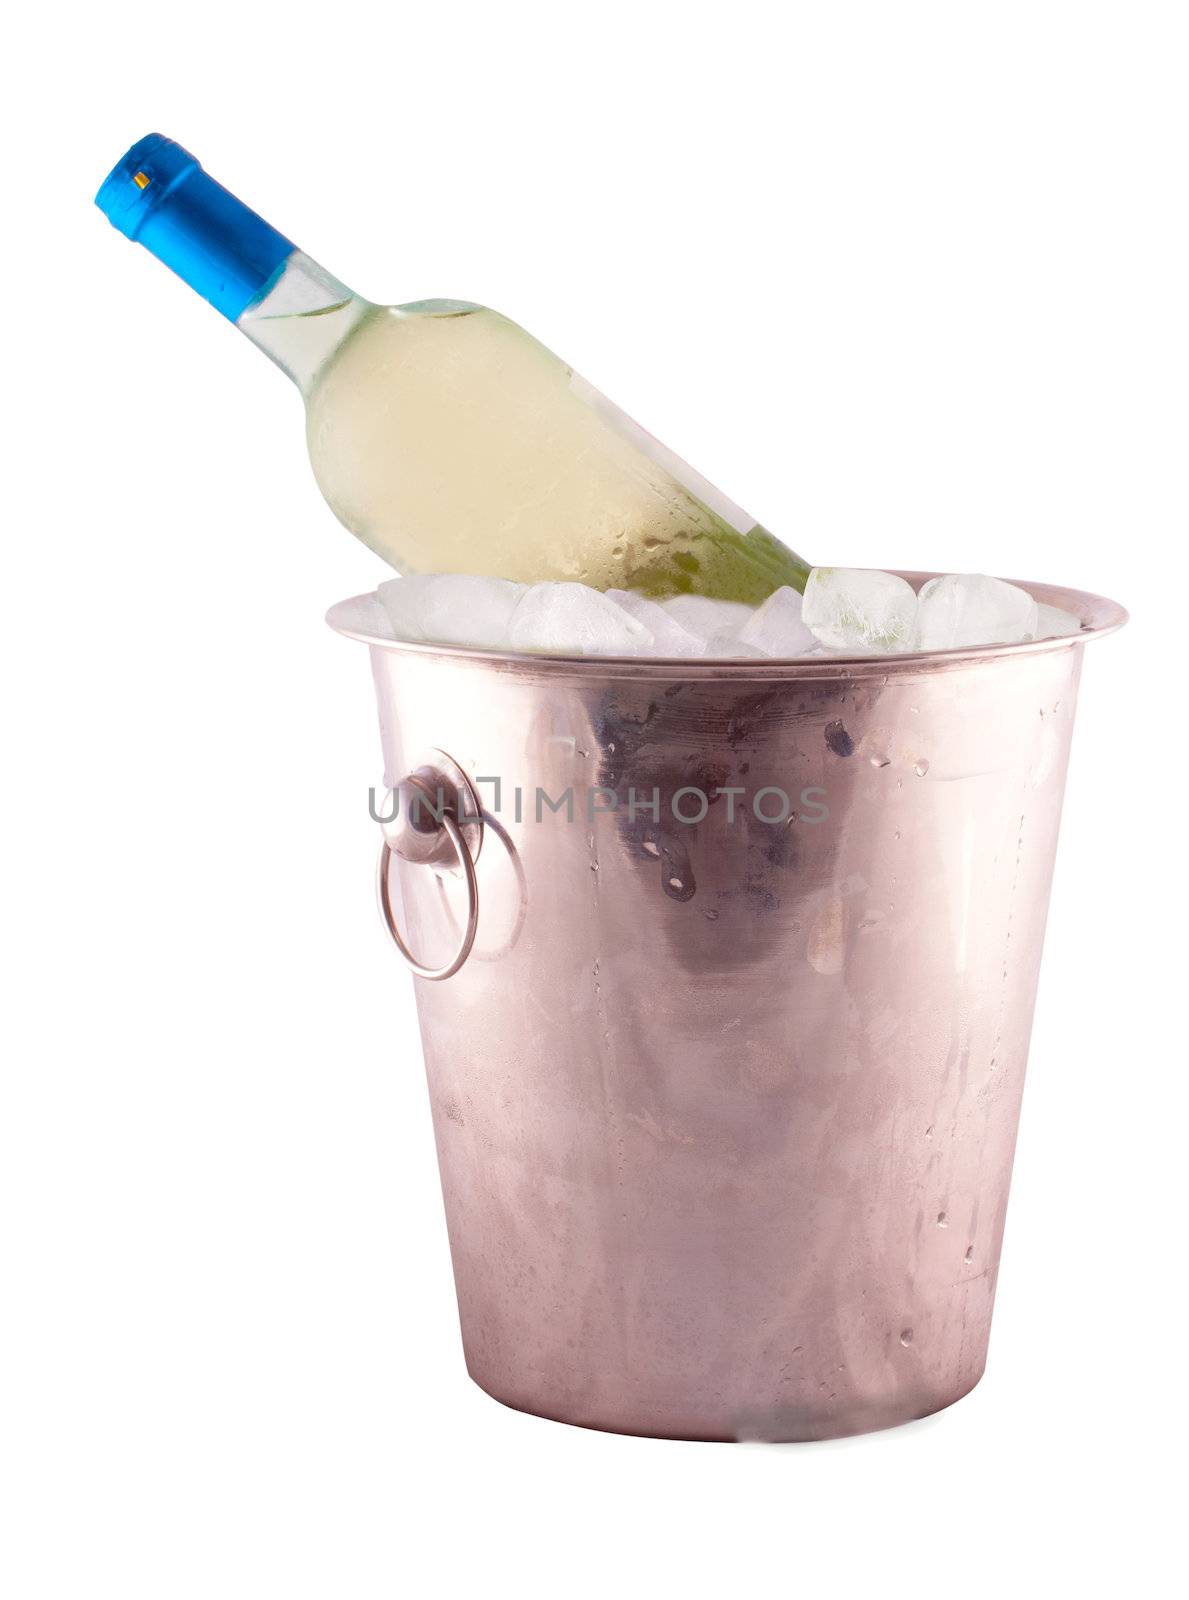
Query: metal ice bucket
point(741, 964)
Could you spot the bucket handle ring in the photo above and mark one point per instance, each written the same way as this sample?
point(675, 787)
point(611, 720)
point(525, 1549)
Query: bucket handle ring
point(450, 828)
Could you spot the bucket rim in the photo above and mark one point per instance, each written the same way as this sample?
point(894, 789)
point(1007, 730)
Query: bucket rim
point(356, 618)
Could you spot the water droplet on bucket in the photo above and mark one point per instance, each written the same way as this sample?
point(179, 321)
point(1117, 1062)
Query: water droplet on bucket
point(943, 1221)
point(880, 760)
point(906, 1337)
point(653, 850)
point(921, 767)
point(969, 1256)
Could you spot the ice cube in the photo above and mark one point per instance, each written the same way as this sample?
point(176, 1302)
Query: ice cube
point(1053, 623)
point(368, 615)
point(570, 619)
point(403, 599)
point(669, 638)
point(451, 608)
point(727, 644)
point(965, 609)
point(776, 628)
point(474, 611)
point(705, 617)
point(860, 611)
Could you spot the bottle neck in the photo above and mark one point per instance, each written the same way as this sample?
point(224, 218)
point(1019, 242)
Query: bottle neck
point(302, 317)
point(159, 195)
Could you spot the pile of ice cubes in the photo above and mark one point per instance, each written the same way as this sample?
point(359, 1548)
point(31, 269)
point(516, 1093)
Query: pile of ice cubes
point(844, 611)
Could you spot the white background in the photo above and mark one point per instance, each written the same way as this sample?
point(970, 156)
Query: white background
point(907, 280)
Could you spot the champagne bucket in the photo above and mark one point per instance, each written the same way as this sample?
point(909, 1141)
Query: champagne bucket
point(736, 969)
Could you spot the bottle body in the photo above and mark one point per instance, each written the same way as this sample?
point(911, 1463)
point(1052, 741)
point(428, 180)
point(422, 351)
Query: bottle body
point(441, 433)
point(451, 441)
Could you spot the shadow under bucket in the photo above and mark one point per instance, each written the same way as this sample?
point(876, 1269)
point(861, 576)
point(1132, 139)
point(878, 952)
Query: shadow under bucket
point(725, 1084)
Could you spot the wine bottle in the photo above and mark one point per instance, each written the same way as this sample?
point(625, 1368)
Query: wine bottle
point(441, 433)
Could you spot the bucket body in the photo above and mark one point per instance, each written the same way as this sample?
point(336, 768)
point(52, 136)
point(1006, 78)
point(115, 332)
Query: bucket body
point(725, 1096)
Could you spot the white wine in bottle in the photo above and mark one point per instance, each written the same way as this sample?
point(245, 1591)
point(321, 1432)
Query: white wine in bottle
point(442, 434)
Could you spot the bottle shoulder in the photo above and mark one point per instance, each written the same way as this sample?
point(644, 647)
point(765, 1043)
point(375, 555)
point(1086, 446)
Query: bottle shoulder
point(440, 344)
point(437, 308)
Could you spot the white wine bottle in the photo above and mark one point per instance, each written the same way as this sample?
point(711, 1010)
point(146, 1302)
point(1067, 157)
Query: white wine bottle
point(440, 433)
